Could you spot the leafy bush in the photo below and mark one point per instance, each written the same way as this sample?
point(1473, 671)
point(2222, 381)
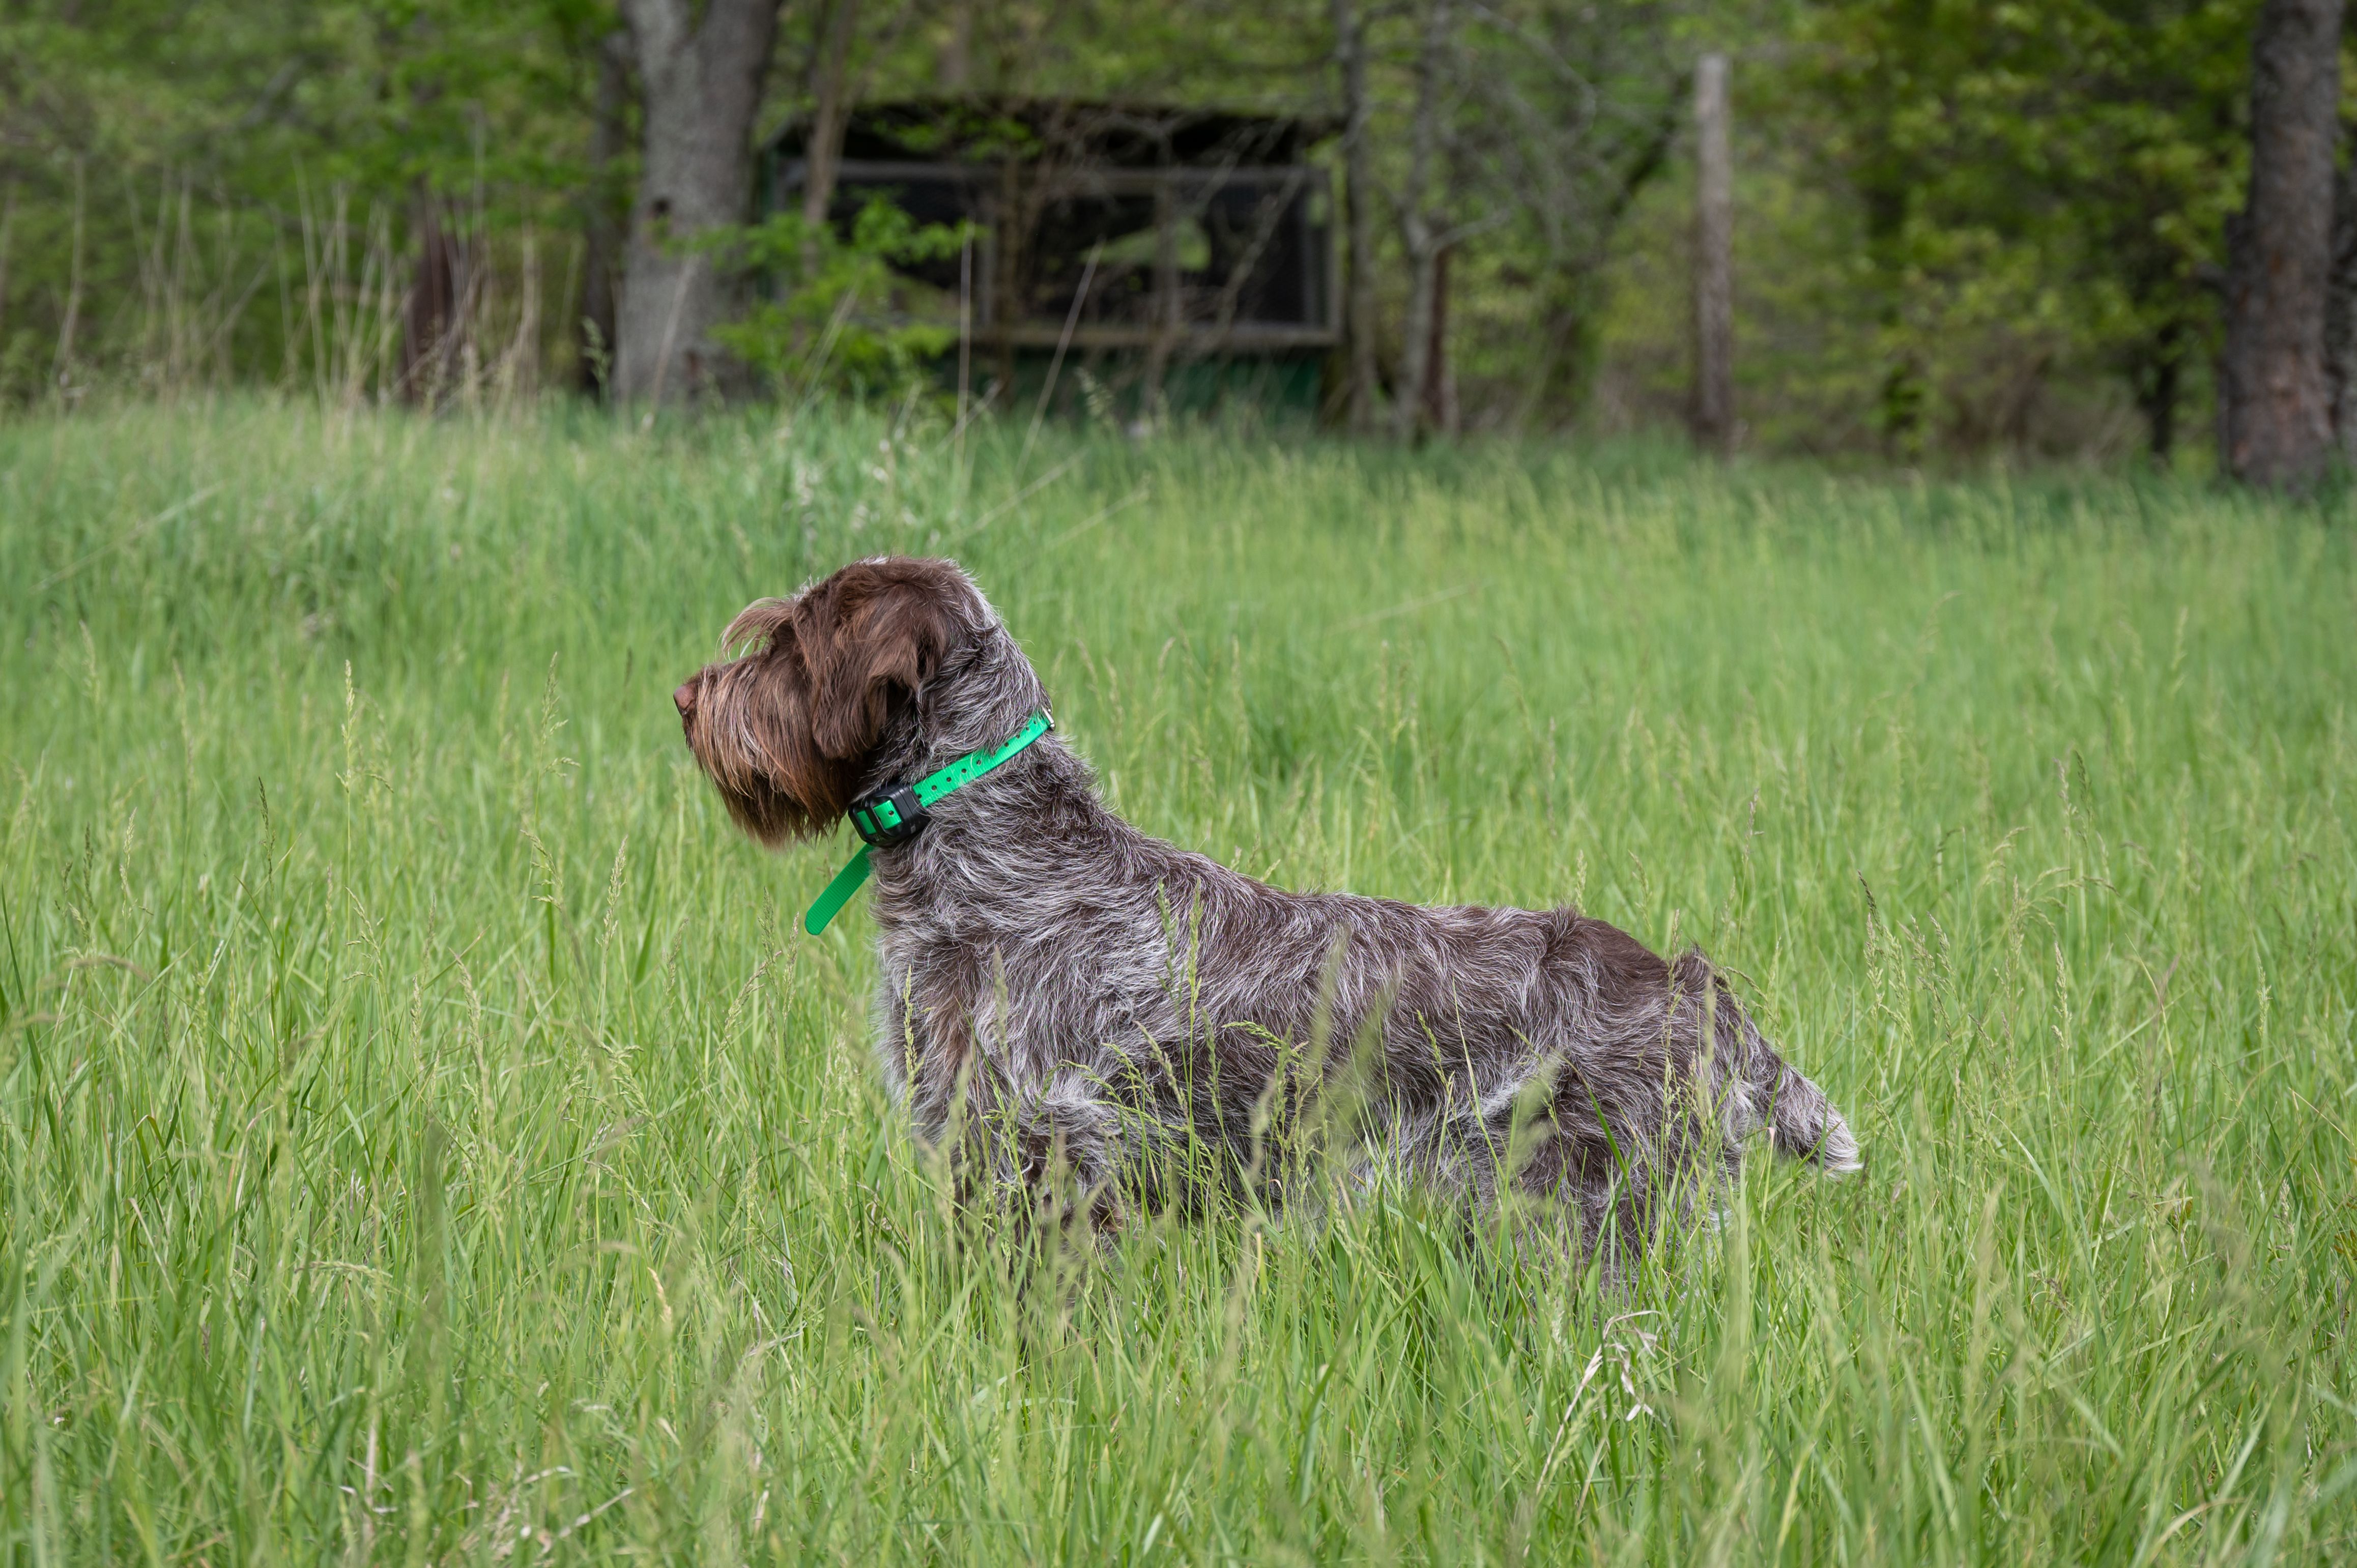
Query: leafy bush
point(832, 312)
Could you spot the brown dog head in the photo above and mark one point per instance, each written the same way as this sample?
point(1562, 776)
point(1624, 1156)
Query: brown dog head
point(791, 729)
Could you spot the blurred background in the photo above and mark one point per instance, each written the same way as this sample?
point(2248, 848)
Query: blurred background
point(1899, 230)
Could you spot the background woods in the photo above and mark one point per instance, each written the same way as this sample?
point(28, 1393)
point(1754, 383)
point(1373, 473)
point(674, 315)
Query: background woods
point(1957, 228)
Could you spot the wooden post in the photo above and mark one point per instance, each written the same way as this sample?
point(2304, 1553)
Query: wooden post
point(1358, 314)
point(1714, 262)
point(1424, 221)
point(1006, 259)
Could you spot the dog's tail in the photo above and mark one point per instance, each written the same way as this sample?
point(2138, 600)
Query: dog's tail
point(1800, 1121)
point(1804, 1123)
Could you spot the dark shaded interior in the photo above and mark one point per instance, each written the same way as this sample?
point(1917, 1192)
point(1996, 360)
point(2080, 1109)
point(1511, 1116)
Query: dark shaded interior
point(1111, 135)
point(1248, 239)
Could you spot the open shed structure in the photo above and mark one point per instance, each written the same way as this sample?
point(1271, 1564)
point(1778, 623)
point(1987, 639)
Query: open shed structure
point(1165, 249)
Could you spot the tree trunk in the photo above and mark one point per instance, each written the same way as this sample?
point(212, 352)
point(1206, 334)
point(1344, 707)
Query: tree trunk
point(701, 82)
point(1714, 279)
point(600, 222)
point(1439, 378)
point(2157, 376)
point(954, 71)
point(833, 91)
point(2340, 317)
point(2279, 248)
point(1424, 266)
point(433, 318)
point(61, 368)
point(1423, 233)
point(7, 232)
point(1359, 233)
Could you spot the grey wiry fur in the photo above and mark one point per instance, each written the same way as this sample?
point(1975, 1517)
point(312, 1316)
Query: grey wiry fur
point(1104, 998)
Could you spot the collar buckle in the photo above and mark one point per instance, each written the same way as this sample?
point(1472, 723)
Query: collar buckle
point(889, 816)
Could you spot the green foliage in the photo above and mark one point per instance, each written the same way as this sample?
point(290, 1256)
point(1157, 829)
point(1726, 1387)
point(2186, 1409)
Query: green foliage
point(829, 312)
point(1567, 113)
point(207, 192)
point(2040, 186)
point(424, 1135)
point(1964, 227)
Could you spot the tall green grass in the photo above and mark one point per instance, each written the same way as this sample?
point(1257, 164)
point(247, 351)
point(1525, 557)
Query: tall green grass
point(426, 1135)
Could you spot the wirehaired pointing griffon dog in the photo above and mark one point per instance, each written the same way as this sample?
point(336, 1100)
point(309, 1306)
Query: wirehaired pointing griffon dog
point(1107, 1001)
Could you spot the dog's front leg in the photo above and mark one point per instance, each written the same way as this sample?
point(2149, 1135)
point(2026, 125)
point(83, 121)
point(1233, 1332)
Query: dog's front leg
point(1027, 1132)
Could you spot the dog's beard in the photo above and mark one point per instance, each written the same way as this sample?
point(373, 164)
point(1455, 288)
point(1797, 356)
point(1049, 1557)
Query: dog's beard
point(750, 732)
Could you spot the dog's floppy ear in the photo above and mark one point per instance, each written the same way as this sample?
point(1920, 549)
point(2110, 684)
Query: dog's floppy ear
point(880, 632)
point(762, 621)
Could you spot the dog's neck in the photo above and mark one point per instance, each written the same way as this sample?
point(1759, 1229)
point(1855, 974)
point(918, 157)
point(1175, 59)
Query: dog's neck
point(993, 848)
point(1031, 824)
point(980, 696)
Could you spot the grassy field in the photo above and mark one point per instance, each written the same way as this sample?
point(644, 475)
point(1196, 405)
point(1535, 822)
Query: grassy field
point(426, 1136)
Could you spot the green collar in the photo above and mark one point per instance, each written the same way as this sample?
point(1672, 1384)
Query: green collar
point(896, 813)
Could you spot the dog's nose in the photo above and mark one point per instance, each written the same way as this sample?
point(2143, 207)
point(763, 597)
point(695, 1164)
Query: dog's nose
point(684, 699)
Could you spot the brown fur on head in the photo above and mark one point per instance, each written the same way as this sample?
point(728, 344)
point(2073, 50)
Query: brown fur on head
point(789, 729)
